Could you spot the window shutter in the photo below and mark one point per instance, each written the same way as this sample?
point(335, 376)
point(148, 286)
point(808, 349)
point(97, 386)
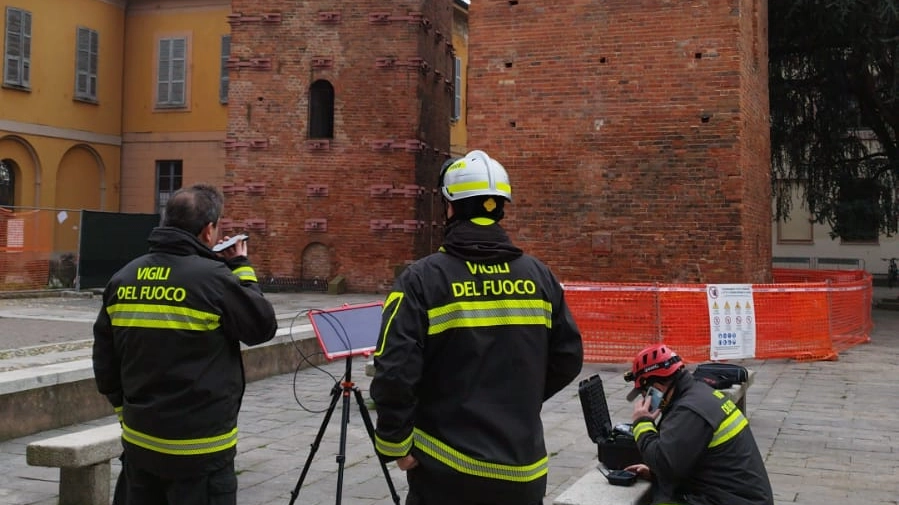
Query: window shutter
point(13, 55)
point(457, 84)
point(224, 82)
point(179, 71)
point(93, 66)
point(82, 57)
point(163, 72)
point(26, 48)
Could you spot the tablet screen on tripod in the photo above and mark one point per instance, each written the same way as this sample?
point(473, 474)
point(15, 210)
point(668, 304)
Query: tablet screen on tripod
point(347, 331)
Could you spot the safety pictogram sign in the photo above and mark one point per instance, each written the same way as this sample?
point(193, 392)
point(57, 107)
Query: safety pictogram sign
point(731, 320)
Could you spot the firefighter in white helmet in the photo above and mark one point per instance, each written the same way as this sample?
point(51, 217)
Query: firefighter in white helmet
point(473, 339)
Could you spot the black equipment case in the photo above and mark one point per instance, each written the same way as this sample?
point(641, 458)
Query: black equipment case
point(616, 448)
point(721, 375)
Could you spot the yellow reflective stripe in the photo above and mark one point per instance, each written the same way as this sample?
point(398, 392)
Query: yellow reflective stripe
point(504, 187)
point(245, 273)
point(489, 313)
point(140, 315)
point(483, 221)
point(392, 449)
point(729, 428)
point(187, 447)
point(467, 186)
point(118, 412)
point(468, 465)
point(643, 427)
point(397, 297)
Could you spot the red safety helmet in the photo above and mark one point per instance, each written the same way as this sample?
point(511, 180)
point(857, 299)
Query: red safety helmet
point(654, 362)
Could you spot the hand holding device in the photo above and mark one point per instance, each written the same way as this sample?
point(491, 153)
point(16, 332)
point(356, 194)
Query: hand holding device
point(618, 477)
point(230, 242)
point(641, 469)
point(643, 408)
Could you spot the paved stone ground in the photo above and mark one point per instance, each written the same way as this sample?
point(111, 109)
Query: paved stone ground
point(41, 331)
point(828, 432)
point(32, 322)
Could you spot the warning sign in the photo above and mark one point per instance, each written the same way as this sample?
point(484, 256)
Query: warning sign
point(732, 321)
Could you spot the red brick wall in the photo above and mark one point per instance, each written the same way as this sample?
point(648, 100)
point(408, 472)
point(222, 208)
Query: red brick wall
point(406, 102)
point(756, 148)
point(635, 134)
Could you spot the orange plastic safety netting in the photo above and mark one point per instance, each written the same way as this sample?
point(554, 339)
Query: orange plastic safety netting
point(25, 248)
point(805, 314)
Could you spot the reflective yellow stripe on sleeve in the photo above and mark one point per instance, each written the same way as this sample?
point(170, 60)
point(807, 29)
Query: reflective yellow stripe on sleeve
point(643, 427)
point(186, 447)
point(475, 314)
point(393, 449)
point(729, 428)
point(118, 413)
point(140, 315)
point(468, 465)
point(245, 274)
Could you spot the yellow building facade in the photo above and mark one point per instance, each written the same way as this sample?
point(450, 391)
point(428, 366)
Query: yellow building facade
point(108, 105)
point(61, 103)
point(105, 105)
point(175, 111)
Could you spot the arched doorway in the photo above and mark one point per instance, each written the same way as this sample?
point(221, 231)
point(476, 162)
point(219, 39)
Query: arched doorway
point(79, 179)
point(316, 267)
point(24, 167)
point(8, 169)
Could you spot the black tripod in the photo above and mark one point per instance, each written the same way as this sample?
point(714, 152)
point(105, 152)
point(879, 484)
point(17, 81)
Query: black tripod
point(343, 388)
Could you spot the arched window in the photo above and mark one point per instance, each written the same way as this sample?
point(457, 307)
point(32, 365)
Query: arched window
point(7, 183)
point(321, 110)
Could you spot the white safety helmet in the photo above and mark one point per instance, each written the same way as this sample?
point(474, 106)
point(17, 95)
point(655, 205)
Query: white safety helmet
point(475, 174)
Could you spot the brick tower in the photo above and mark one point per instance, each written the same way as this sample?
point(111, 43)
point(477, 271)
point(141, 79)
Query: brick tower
point(635, 134)
point(338, 125)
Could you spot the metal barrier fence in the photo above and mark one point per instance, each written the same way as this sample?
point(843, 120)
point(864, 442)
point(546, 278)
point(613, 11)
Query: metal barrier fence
point(804, 315)
point(38, 248)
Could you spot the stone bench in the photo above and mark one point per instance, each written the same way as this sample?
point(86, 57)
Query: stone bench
point(83, 459)
point(594, 489)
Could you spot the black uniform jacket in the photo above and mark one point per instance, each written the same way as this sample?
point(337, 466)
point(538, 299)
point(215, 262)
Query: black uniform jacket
point(474, 339)
point(703, 451)
point(167, 351)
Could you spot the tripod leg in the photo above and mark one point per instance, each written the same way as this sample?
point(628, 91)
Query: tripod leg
point(366, 418)
point(335, 394)
point(341, 455)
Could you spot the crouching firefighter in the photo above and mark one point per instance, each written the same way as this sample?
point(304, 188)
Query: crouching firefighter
point(701, 450)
